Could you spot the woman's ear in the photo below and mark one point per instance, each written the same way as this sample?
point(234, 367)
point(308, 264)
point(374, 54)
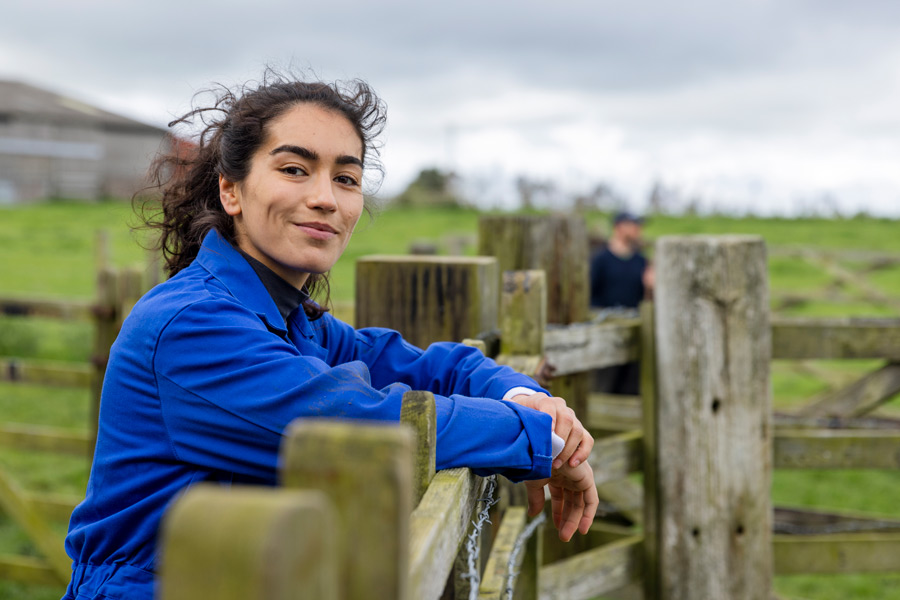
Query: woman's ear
point(229, 194)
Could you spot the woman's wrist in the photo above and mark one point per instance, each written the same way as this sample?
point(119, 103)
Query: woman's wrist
point(556, 443)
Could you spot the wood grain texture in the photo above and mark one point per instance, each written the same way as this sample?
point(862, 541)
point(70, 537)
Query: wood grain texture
point(556, 244)
point(428, 298)
point(248, 543)
point(844, 553)
point(365, 469)
point(582, 346)
point(418, 411)
point(837, 449)
point(712, 421)
point(437, 528)
point(798, 338)
point(525, 563)
point(649, 413)
point(614, 412)
point(617, 456)
point(523, 312)
point(593, 573)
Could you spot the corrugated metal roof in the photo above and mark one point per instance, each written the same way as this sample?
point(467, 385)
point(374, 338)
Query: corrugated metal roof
point(23, 101)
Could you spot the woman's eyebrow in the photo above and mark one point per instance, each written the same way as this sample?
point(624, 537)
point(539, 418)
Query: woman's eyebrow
point(344, 159)
point(298, 150)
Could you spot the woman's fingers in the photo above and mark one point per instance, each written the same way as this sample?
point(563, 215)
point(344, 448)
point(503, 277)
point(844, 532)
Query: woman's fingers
point(556, 504)
point(574, 435)
point(591, 502)
point(584, 449)
point(535, 491)
point(574, 500)
point(572, 514)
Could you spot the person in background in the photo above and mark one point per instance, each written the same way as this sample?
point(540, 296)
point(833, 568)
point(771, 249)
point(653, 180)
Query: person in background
point(212, 365)
point(621, 277)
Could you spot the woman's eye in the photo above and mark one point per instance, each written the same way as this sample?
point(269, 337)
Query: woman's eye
point(293, 171)
point(346, 180)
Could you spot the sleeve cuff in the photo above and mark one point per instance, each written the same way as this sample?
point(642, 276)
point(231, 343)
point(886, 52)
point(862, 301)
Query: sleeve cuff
point(557, 444)
point(519, 390)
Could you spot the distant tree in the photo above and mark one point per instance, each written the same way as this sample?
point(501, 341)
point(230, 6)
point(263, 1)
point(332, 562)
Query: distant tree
point(534, 193)
point(602, 198)
point(431, 187)
point(692, 207)
point(662, 199)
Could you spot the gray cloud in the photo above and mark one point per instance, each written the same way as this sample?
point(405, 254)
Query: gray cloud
point(656, 73)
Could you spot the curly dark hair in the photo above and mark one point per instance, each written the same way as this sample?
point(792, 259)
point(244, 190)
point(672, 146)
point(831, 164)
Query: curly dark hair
point(232, 127)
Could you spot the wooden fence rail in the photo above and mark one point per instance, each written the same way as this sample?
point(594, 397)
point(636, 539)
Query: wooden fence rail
point(45, 372)
point(64, 310)
point(583, 346)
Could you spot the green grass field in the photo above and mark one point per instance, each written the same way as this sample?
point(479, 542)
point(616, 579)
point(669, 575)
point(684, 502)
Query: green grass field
point(48, 250)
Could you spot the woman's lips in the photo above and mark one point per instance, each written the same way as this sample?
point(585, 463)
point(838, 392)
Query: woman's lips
point(317, 231)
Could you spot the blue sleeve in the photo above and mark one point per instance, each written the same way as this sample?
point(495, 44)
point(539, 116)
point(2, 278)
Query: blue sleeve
point(228, 388)
point(443, 368)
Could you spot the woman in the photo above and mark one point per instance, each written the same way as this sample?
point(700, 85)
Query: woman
point(212, 365)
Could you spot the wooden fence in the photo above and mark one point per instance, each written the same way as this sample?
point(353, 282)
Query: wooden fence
point(362, 514)
point(703, 435)
point(117, 291)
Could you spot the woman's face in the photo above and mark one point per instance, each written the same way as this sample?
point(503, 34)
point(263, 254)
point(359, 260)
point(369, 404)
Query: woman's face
point(297, 207)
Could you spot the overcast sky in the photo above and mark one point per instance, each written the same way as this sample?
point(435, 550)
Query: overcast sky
point(775, 106)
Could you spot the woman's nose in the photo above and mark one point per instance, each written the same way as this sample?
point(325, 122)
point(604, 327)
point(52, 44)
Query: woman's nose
point(322, 194)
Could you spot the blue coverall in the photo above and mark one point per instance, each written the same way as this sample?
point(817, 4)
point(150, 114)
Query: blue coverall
point(203, 379)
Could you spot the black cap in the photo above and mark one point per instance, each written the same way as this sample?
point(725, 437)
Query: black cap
point(627, 217)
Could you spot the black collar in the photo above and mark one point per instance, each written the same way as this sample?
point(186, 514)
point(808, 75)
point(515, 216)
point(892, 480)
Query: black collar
point(286, 297)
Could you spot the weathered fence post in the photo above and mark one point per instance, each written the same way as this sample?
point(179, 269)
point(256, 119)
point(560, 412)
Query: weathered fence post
point(366, 471)
point(249, 543)
point(523, 319)
point(711, 434)
point(418, 411)
point(428, 298)
point(131, 288)
point(558, 245)
point(105, 330)
point(649, 401)
point(117, 292)
point(523, 314)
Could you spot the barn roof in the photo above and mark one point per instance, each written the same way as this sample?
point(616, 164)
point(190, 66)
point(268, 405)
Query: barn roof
point(21, 101)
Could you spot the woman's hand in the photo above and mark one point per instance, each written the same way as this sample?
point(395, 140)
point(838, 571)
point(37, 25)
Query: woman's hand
point(566, 425)
point(573, 498)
